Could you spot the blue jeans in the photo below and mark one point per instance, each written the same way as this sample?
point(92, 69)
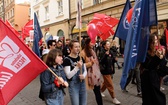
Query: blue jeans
point(59, 100)
point(77, 92)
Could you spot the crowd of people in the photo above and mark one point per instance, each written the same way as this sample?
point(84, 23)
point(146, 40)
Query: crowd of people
point(93, 68)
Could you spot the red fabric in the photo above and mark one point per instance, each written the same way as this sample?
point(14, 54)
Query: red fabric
point(40, 42)
point(28, 26)
point(129, 14)
point(166, 38)
point(10, 26)
point(104, 25)
point(56, 83)
point(18, 64)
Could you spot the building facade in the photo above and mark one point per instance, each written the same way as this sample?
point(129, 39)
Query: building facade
point(2, 11)
point(162, 12)
point(17, 14)
point(112, 8)
point(89, 8)
point(53, 16)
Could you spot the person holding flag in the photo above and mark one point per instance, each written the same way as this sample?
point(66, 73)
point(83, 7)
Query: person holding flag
point(16, 63)
point(52, 87)
point(151, 70)
point(73, 66)
point(143, 16)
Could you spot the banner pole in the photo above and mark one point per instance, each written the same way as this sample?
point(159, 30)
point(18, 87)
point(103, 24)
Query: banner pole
point(53, 73)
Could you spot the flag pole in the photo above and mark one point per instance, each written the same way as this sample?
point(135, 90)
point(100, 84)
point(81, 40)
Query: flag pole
point(80, 47)
point(53, 72)
point(78, 24)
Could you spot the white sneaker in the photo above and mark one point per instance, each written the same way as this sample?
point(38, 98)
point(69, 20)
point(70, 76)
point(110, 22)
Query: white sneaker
point(102, 95)
point(115, 101)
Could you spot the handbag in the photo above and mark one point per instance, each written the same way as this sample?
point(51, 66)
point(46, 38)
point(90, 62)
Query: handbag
point(94, 75)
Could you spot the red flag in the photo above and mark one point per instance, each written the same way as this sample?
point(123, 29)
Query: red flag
point(104, 25)
point(166, 32)
point(28, 26)
point(18, 64)
point(10, 26)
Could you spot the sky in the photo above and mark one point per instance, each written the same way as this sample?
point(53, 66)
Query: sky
point(21, 1)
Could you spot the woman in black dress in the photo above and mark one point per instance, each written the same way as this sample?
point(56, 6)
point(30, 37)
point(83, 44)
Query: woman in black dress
point(154, 65)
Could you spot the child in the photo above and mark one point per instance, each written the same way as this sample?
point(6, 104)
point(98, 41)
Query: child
point(52, 87)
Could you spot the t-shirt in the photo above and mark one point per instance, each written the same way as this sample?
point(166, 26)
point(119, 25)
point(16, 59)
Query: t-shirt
point(67, 62)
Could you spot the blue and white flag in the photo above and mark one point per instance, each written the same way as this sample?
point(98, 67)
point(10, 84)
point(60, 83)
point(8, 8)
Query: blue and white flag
point(49, 38)
point(138, 34)
point(123, 26)
point(78, 15)
point(37, 36)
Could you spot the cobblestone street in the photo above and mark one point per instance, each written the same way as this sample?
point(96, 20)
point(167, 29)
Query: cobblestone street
point(29, 95)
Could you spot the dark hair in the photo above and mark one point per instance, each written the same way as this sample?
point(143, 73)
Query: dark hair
point(68, 39)
point(87, 48)
point(50, 60)
point(104, 43)
point(151, 42)
point(49, 43)
point(59, 41)
point(71, 44)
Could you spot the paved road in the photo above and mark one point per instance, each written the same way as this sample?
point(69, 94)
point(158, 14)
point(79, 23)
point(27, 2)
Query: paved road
point(29, 95)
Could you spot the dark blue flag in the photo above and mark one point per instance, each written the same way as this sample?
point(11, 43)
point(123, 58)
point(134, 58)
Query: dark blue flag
point(37, 36)
point(153, 12)
point(123, 26)
point(138, 34)
point(149, 18)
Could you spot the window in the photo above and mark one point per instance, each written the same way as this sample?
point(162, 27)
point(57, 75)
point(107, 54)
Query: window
point(96, 2)
point(46, 13)
point(29, 11)
point(8, 15)
point(11, 13)
point(60, 33)
point(4, 3)
point(0, 9)
point(60, 7)
point(7, 3)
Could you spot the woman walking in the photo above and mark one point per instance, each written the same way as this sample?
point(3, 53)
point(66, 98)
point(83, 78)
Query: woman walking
point(72, 66)
point(106, 61)
point(154, 65)
point(52, 87)
point(93, 80)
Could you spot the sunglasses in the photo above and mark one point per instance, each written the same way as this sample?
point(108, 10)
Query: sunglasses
point(54, 45)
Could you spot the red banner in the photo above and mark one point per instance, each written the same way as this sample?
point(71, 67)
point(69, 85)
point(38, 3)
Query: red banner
point(166, 32)
point(104, 24)
point(18, 64)
point(26, 29)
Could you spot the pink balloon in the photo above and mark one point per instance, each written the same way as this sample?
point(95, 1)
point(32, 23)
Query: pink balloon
point(92, 32)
